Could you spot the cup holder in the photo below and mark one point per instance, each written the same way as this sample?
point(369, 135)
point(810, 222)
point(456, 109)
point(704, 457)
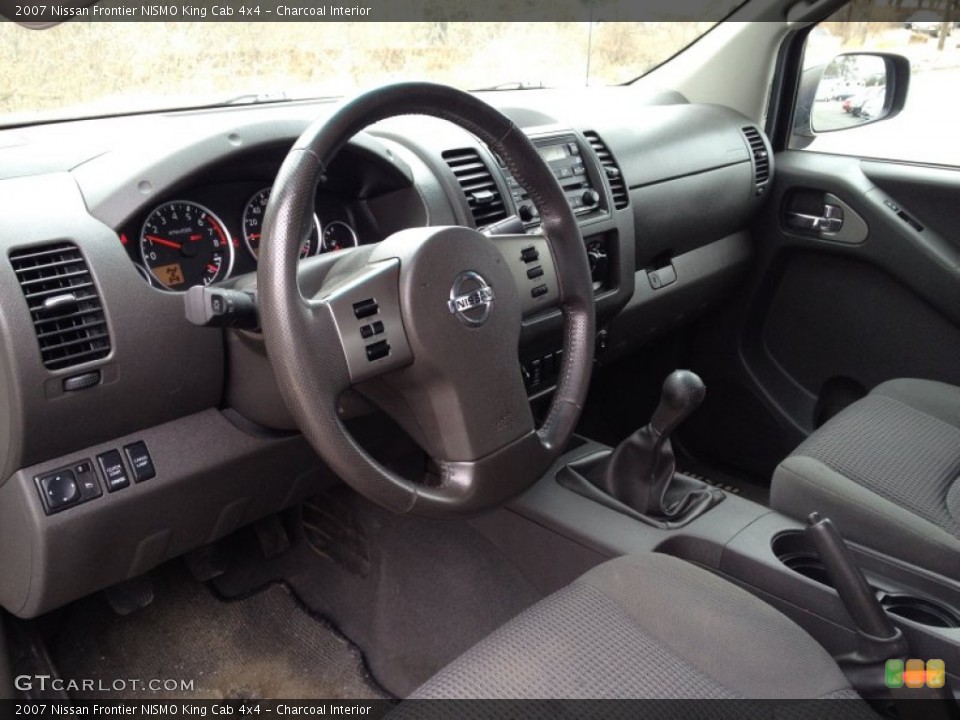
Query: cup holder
point(795, 551)
point(920, 611)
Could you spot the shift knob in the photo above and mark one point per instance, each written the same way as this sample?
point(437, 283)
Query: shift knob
point(682, 393)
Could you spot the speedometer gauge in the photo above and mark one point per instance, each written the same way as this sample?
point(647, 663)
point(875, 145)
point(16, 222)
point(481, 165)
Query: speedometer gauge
point(253, 226)
point(184, 244)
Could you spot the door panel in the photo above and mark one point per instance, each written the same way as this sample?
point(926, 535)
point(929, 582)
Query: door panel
point(824, 320)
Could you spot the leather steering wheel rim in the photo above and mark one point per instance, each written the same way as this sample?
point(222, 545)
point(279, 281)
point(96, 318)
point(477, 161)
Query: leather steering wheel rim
point(301, 334)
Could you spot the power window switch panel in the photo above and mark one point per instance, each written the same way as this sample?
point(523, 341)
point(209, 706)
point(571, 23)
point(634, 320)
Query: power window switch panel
point(113, 470)
point(140, 461)
point(59, 490)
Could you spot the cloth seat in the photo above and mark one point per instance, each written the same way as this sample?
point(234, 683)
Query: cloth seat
point(886, 471)
point(649, 626)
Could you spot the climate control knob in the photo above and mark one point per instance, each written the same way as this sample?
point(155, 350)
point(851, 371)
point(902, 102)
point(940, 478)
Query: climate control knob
point(528, 212)
point(590, 198)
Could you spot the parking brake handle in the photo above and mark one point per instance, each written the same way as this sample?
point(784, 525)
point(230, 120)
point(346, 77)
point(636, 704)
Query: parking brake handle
point(880, 639)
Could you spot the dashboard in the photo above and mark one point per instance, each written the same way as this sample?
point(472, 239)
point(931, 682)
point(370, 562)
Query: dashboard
point(129, 435)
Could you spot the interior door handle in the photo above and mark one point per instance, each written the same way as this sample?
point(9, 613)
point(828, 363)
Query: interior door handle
point(830, 222)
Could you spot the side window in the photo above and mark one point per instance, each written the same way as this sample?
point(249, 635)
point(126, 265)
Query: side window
point(842, 96)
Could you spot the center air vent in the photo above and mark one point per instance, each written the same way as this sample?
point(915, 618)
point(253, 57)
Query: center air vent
point(479, 187)
point(760, 155)
point(64, 304)
point(617, 185)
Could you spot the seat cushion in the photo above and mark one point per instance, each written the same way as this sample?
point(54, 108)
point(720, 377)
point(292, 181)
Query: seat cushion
point(648, 626)
point(886, 471)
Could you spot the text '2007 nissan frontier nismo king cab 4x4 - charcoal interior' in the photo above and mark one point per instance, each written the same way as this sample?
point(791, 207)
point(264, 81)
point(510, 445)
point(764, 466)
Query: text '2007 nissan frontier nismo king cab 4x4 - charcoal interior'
point(630, 374)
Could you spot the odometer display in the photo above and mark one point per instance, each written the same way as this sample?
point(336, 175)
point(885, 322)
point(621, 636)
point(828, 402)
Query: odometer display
point(184, 244)
point(253, 226)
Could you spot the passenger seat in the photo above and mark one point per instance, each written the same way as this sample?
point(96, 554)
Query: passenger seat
point(886, 470)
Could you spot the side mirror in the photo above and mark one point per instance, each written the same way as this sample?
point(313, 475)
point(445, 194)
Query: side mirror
point(859, 88)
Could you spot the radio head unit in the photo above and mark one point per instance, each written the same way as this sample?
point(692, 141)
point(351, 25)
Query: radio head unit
point(564, 155)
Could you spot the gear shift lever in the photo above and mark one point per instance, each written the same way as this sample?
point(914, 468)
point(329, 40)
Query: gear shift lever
point(682, 393)
point(639, 472)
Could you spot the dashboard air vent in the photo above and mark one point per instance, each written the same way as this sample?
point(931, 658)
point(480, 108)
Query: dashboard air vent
point(617, 185)
point(478, 186)
point(64, 304)
point(761, 157)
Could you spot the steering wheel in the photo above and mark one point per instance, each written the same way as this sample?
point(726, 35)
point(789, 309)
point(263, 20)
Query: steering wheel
point(432, 317)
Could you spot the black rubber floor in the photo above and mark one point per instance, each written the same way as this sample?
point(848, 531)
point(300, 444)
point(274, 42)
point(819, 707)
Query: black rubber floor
point(262, 646)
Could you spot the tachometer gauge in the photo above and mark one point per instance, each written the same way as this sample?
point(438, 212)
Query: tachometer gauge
point(337, 235)
point(184, 244)
point(253, 226)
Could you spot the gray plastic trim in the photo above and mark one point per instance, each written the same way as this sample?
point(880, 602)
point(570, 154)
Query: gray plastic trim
point(212, 478)
point(160, 367)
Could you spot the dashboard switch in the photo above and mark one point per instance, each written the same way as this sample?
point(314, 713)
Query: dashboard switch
point(140, 461)
point(366, 331)
point(365, 308)
point(87, 480)
point(59, 489)
point(539, 291)
point(529, 254)
point(535, 272)
point(81, 382)
point(378, 328)
point(113, 470)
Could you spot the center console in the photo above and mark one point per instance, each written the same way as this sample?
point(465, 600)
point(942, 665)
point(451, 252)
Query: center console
point(771, 556)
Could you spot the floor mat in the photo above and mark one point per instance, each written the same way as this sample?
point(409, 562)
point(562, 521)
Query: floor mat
point(262, 646)
point(412, 593)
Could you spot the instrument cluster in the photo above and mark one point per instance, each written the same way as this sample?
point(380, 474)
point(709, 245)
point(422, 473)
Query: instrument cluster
point(212, 232)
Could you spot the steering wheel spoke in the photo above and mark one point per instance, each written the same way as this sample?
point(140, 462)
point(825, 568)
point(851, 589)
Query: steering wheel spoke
point(365, 307)
point(534, 271)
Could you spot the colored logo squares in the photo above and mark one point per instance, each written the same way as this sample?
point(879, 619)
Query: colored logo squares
point(915, 673)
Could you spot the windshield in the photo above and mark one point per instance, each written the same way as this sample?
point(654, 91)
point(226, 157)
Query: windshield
point(100, 68)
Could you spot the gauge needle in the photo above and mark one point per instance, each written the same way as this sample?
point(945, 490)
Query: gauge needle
point(161, 241)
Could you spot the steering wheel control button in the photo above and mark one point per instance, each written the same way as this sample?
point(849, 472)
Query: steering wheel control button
point(59, 490)
point(365, 308)
point(140, 461)
point(378, 350)
point(535, 272)
point(81, 382)
point(366, 331)
point(113, 470)
point(529, 255)
point(378, 328)
point(539, 291)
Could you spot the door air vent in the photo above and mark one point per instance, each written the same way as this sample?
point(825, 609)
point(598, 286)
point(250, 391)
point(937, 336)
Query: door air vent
point(64, 304)
point(478, 185)
point(760, 155)
point(617, 185)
